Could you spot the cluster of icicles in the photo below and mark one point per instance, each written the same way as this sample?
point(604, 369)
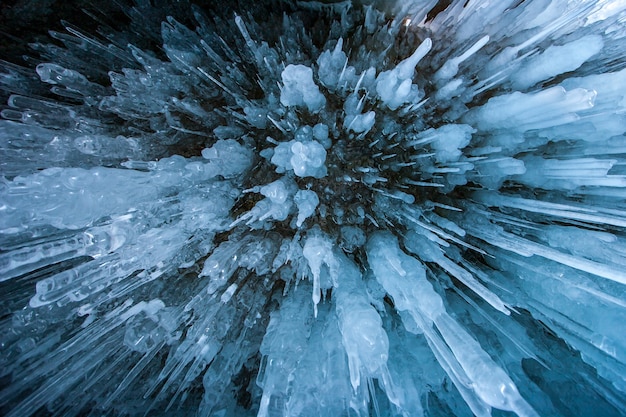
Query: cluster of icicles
point(309, 209)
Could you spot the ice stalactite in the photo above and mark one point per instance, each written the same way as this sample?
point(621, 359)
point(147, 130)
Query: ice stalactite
point(286, 208)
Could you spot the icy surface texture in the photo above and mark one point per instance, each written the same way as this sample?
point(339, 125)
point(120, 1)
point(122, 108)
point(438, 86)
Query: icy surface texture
point(277, 208)
point(299, 88)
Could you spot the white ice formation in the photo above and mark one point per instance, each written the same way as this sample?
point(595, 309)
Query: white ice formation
point(281, 208)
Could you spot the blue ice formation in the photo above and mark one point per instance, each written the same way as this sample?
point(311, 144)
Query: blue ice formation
point(281, 208)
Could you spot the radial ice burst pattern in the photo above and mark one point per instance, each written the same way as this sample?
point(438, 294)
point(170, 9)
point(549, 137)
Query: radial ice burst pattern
point(317, 209)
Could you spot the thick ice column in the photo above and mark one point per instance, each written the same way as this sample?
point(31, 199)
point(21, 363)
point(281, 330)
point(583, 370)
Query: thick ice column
point(363, 337)
point(395, 87)
point(282, 348)
point(556, 60)
point(497, 236)
point(321, 384)
point(95, 241)
point(430, 252)
point(318, 251)
point(404, 278)
point(120, 251)
point(72, 198)
point(306, 201)
point(525, 111)
point(451, 66)
point(571, 174)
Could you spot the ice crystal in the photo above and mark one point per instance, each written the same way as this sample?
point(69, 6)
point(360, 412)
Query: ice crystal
point(281, 208)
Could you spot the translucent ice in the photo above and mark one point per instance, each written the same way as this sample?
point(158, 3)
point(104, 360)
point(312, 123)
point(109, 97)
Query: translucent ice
point(306, 201)
point(490, 383)
point(395, 87)
point(556, 60)
point(299, 89)
point(399, 208)
point(227, 158)
point(305, 159)
point(308, 159)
